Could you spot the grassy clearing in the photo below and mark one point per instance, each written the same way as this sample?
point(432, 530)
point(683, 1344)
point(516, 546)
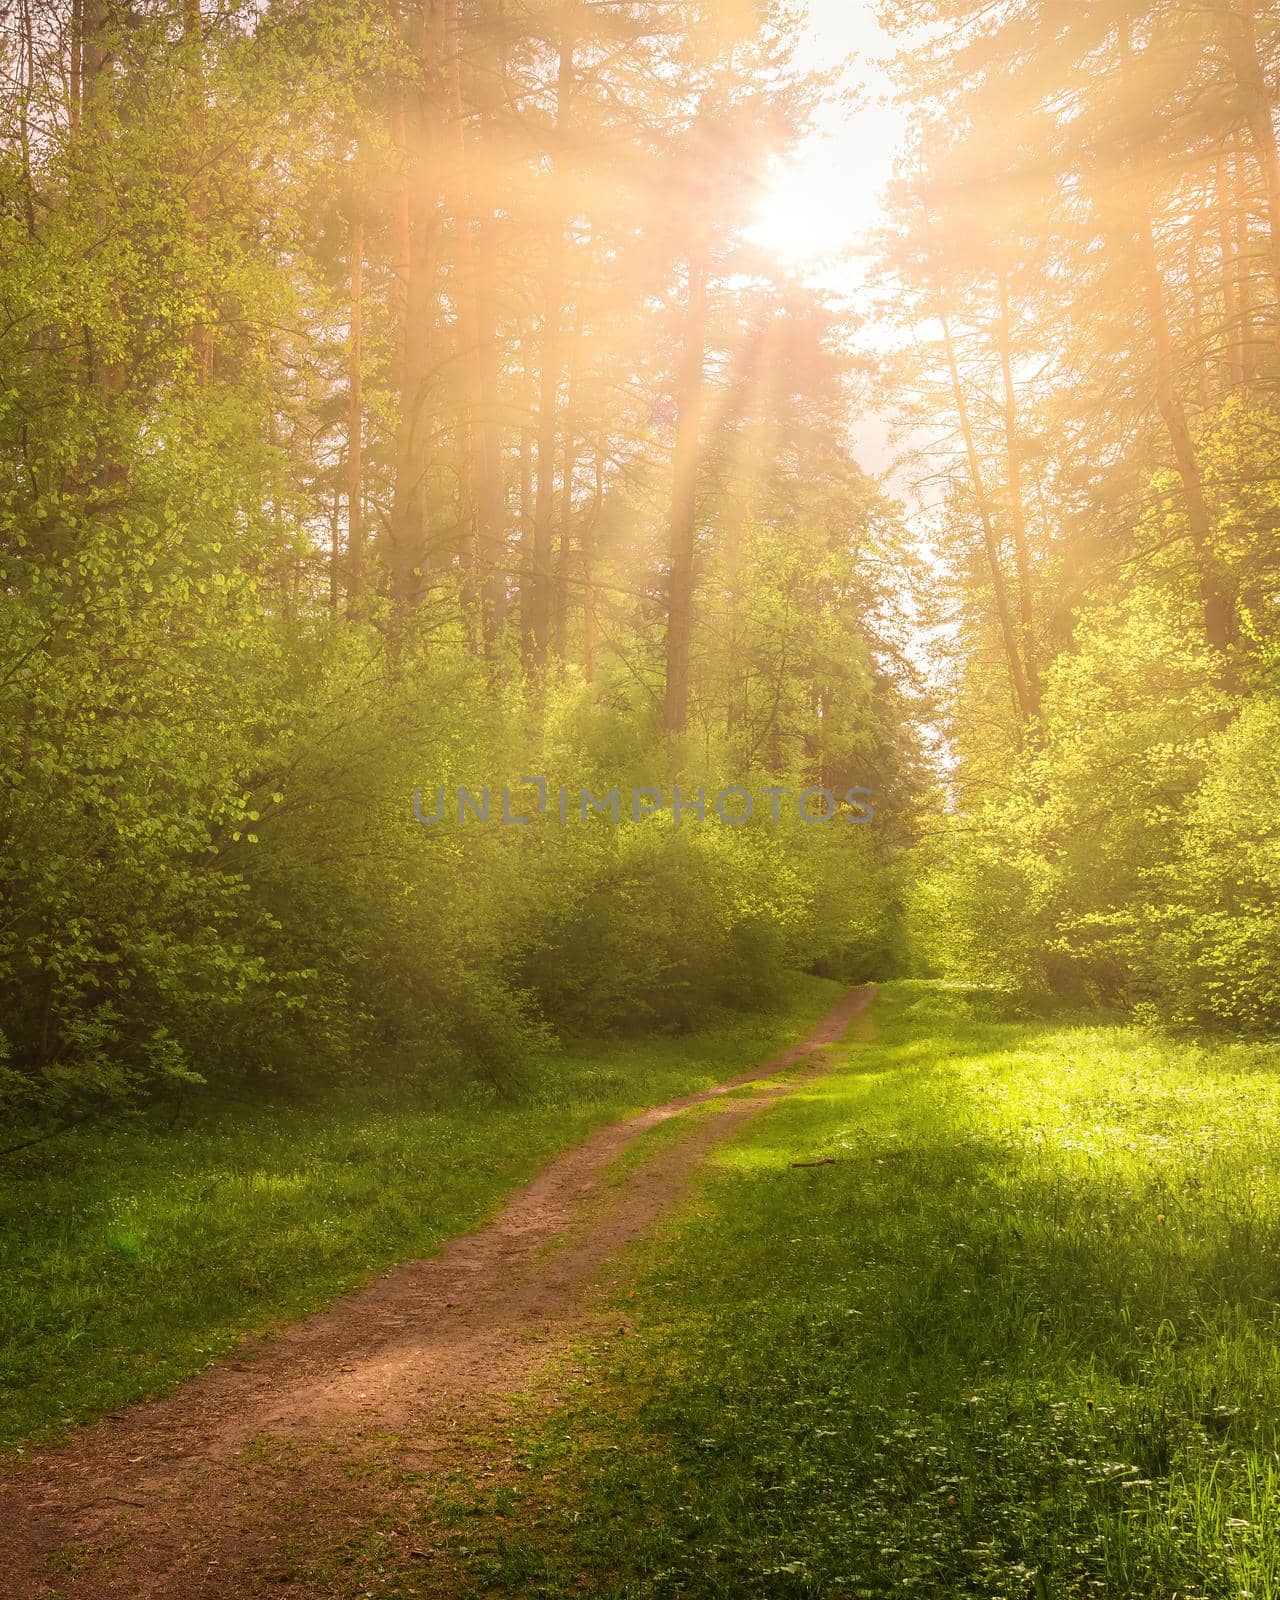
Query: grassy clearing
point(131, 1257)
point(1019, 1341)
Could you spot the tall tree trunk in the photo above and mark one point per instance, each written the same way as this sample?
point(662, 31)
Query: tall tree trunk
point(1196, 295)
point(97, 17)
point(1244, 263)
point(75, 92)
point(493, 492)
point(407, 532)
point(26, 86)
point(490, 495)
point(564, 546)
point(355, 364)
point(690, 403)
point(1227, 260)
point(736, 512)
point(201, 336)
point(105, 373)
point(335, 550)
point(1017, 509)
point(1240, 37)
point(283, 557)
point(527, 434)
point(401, 233)
point(589, 571)
point(468, 337)
point(753, 458)
point(1213, 603)
point(538, 616)
point(1008, 638)
point(564, 552)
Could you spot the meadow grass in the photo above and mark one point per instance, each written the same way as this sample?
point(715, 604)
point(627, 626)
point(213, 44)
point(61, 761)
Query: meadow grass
point(1019, 1340)
point(131, 1256)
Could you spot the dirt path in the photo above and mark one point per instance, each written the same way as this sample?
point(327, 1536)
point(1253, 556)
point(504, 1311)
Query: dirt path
point(231, 1486)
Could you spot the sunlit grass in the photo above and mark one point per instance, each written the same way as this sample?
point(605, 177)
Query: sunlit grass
point(1019, 1340)
point(131, 1257)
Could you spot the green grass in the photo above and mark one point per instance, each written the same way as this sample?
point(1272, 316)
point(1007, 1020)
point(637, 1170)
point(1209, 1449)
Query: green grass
point(1021, 1340)
point(131, 1257)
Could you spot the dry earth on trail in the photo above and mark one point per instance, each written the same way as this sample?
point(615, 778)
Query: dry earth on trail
point(248, 1481)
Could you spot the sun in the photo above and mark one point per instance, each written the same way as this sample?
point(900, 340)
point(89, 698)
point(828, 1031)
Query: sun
point(810, 212)
point(821, 205)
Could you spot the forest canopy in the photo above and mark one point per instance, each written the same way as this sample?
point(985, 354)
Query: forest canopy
point(399, 396)
point(1094, 297)
point(393, 399)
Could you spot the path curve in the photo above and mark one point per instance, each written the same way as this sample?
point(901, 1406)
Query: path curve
point(161, 1501)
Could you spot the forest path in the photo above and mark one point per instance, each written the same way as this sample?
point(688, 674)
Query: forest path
point(249, 1480)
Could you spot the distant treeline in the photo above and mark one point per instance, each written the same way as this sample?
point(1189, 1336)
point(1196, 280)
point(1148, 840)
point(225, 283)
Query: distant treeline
point(1086, 242)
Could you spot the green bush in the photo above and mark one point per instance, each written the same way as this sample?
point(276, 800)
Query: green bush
point(1219, 957)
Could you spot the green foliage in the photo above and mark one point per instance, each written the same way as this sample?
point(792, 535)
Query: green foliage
point(1219, 958)
point(1046, 882)
point(210, 873)
point(226, 884)
point(1129, 854)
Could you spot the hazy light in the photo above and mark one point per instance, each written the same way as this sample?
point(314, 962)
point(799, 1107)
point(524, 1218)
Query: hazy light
point(815, 207)
point(824, 201)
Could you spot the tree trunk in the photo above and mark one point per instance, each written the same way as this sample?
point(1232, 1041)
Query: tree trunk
point(1197, 324)
point(527, 643)
point(489, 490)
point(75, 90)
point(681, 523)
point(753, 459)
point(493, 492)
point(96, 17)
point(106, 374)
point(355, 361)
point(1008, 638)
point(201, 336)
point(1017, 511)
point(1244, 264)
point(1240, 38)
point(1213, 604)
point(564, 552)
point(490, 495)
point(1227, 259)
point(469, 341)
point(26, 85)
point(401, 229)
point(564, 547)
point(538, 618)
point(335, 551)
point(283, 560)
point(589, 570)
point(735, 521)
point(409, 555)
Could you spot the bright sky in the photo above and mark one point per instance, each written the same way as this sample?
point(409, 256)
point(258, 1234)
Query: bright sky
point(825, 201)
